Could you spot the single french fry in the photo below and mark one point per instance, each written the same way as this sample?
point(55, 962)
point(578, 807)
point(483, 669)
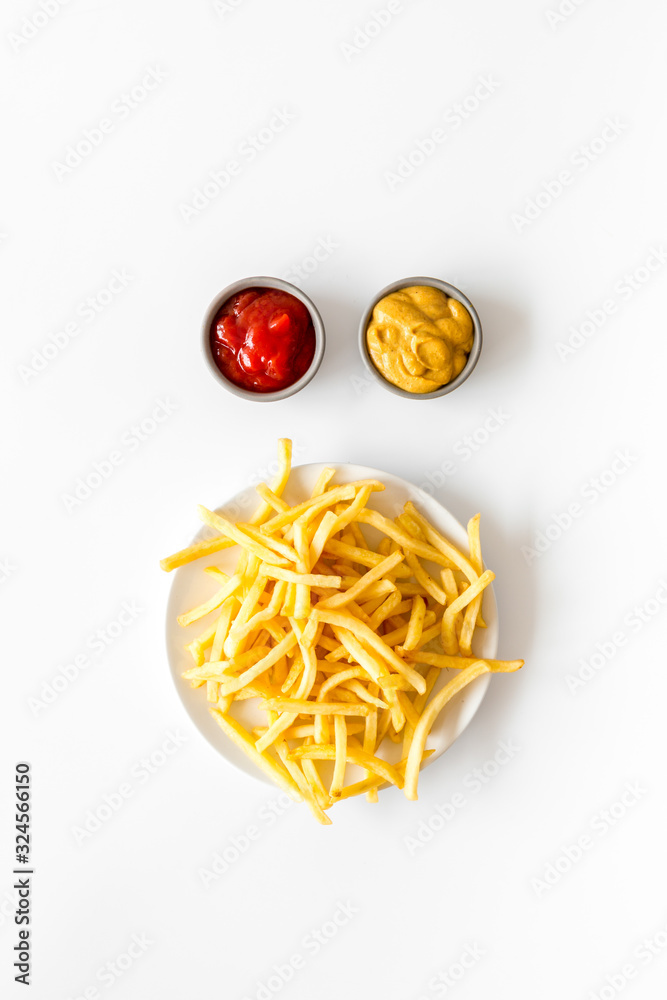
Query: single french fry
point(371, 725)
point(279, 483)
point(416, 623)
point(451, 662)
point(323, 480)
point(428, 717)
point(474, 544)
point(195, 614)
point(217, 573)
point(196, 551)
point(310, 579)
point(340, 734)
point(304, 707)
point(302, 599)
point(473, 614)
point(470, 618)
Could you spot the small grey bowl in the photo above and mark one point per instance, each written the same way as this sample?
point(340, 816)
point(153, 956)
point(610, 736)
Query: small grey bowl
point(262, 282)
point(452, 293)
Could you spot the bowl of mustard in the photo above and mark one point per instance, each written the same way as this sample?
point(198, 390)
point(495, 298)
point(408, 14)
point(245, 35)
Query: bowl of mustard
point(420, 337)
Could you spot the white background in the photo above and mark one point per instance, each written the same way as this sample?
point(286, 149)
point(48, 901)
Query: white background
point(479, 882)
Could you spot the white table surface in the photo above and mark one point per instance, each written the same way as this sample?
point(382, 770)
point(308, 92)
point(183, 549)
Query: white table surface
point(545, 878)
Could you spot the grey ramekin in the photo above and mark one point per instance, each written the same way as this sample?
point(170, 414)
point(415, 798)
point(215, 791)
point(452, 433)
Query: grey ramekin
point(452, 292)
point(262, 282)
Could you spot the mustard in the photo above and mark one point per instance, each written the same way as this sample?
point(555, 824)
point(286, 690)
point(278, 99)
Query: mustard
point(419, 339)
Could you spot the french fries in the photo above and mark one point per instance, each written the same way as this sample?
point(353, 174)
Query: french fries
point(340, 643)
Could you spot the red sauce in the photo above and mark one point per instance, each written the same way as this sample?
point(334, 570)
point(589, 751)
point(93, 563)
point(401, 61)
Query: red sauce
point(263, 339)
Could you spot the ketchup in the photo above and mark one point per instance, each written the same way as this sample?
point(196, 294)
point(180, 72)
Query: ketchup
point(263, 339)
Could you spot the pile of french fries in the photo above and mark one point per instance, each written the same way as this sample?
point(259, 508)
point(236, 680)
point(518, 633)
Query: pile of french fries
point(333, 637)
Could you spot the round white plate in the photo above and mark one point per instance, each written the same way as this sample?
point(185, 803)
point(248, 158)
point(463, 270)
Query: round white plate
point(191, 587)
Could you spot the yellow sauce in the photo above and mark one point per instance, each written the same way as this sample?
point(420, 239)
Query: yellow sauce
point(419, 339)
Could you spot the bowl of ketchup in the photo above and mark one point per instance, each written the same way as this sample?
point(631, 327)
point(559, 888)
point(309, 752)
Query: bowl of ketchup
point(263, 339)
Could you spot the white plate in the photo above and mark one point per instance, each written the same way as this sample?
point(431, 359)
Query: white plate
point(191, 587)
